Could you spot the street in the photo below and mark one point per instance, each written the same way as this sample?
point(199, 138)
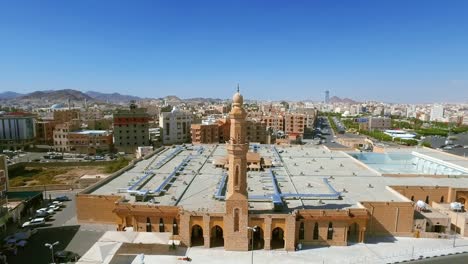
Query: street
point(63, 228)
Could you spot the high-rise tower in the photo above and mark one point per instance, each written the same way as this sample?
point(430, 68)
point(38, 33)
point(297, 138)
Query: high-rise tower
point(327, 97)
point(237, 215)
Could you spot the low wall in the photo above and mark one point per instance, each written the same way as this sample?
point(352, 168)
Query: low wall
point(96, 208)
point(41, 188)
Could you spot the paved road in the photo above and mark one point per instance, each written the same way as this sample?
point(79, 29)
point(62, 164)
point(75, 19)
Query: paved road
point(453, 259)
point(462, 139)
point(63, 228)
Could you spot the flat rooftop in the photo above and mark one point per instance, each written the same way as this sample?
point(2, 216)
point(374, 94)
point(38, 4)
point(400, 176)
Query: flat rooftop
point(305, 176)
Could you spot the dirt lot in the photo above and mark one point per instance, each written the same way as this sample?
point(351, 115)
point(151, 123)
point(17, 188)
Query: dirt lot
point(31, 176)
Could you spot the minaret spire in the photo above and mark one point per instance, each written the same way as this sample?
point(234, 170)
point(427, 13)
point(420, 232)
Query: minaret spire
point(237, 87)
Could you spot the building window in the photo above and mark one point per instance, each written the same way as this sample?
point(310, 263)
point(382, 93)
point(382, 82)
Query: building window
point(236, 220)
point(161, 225)
point(236, 177)
point(412, 198)
point(301, 231)
point(316, 232)
point(148, 224)
point(175, 227)
point(427, 199)
point(330, 231)
point(442, 199)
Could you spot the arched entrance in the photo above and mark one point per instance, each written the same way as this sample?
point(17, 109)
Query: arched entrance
point(258, 241)
point(197, 236)
point(353, 233)
point(217, 238)
point(277, 238)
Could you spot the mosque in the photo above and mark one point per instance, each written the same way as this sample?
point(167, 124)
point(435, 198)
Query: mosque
point(297, 194)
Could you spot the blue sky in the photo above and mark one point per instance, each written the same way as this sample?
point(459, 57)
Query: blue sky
point(395, 51)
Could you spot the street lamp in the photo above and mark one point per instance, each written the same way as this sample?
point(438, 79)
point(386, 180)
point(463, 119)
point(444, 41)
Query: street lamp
point(51, 247)
point(456, 223)
point(253, 229)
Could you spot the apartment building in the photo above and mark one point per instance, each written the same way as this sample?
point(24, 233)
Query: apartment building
point(131, 129)
point(175, 126)
point(17, 130)
point(90, 141)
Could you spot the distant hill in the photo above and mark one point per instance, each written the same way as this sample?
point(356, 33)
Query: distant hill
point(112, 97)
point(56, 96)
point(337, 100)
point(9, 95)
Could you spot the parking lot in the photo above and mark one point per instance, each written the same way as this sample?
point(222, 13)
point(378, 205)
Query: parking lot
point(62, 227)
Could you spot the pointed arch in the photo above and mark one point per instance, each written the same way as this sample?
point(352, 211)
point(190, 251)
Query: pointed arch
point(330, 231)
point(236, 220)
point(236, 177)
point(316, 232)
point(301, 231)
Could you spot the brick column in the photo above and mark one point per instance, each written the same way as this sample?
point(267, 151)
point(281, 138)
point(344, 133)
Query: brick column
point(267, 233)
point(290, 233)
point(184, 229)
point(206, 231)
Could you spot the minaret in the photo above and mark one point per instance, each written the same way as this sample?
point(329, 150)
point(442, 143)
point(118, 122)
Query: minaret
point(237, 215)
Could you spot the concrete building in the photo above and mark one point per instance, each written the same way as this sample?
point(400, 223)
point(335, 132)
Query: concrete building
point(131, 129)
point(376, 123)
point(437, 113)
point(17, 130)
point(45, 132)
point(61, 132)
point(90, 141)
point(62, 115)
point(204, 133)
point(175, 126)
point(183, 191)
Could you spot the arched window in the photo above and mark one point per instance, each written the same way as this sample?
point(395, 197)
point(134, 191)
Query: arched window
point(301, 231)
point(330, 231)
point(175, 227)
point(412, 198)
point(236, 220)
point(161, 225)
point(148, 224)
point(427, 199)
point(236, 177)
point(316, 231)
point(442, 199)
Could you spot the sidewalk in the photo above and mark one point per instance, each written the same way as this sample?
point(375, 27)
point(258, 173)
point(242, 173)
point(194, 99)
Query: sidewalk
point(380, 252)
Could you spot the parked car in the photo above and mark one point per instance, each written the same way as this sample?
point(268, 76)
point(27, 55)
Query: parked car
point(21, 243)
point(58, 203)
point(43, 214)
point(54, 207)
point(48, 210)
point(34, 222)
point(63, 198)
point(66, 256)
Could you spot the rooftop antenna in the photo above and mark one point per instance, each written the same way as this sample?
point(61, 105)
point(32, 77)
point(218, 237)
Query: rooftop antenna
point(237, 87)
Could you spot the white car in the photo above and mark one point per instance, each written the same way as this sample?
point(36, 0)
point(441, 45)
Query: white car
point(34, 222)
point(54, 207)
point(48, 210)
point(58, 203)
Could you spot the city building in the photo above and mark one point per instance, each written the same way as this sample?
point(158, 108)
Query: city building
point(437, 113)
point(89, 141)
point(204, 133)
point(131, 129)
point(327, 97)
point(61, 132)
point(376, 123)
point(17, 130)
point(307, 195)
point(45, 132)
point(175, 126)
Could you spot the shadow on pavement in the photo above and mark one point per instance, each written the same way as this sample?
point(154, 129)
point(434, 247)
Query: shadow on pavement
point(35, 251)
